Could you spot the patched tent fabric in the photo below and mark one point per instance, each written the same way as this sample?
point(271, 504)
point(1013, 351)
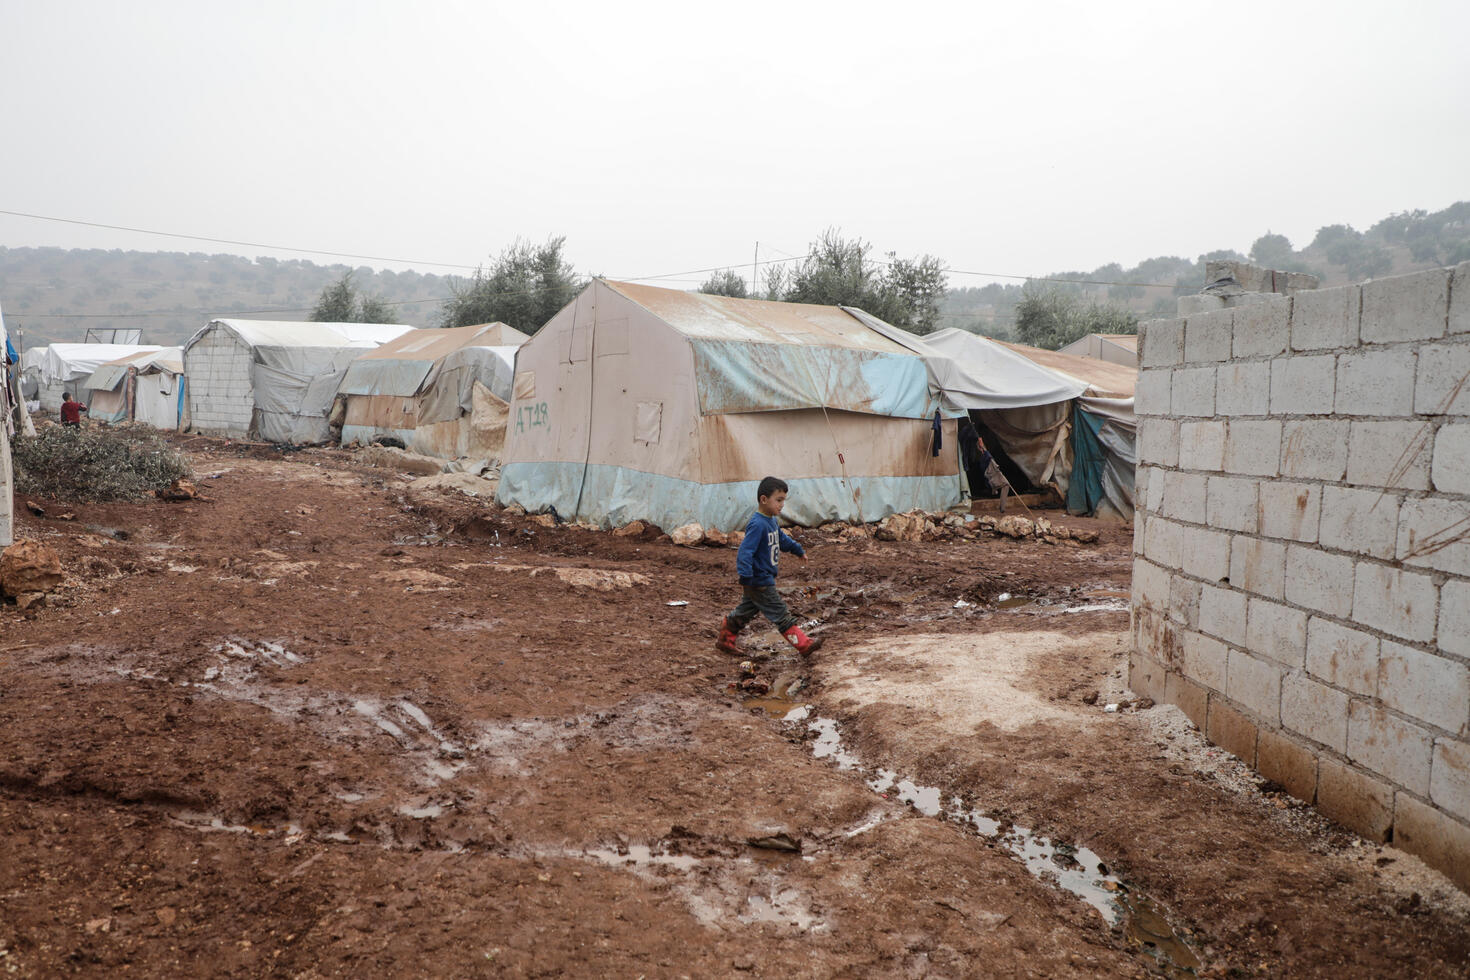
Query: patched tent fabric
point(273, 380)
point(636, 402)
point(66, 368)
point(420, 388)
point(144, 387)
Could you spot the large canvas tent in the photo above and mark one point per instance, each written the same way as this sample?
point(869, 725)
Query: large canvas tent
point(145, 387)
point(272, 380)
point(440, 392)
point(1115, 348)
point(636, 402)
point(66, 367)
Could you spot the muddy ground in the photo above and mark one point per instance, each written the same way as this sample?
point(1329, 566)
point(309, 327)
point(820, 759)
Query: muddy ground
point(313, 726)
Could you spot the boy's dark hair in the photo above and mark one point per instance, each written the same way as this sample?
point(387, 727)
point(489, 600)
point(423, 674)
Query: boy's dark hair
point(771, 485)
point(66, 395)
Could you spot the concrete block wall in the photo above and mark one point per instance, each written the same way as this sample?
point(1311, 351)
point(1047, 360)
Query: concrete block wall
point(1301, 576)
point(219, 371)
point(7, 493)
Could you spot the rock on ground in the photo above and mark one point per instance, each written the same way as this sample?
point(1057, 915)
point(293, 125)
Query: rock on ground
point(688, 535)
point(29, 566)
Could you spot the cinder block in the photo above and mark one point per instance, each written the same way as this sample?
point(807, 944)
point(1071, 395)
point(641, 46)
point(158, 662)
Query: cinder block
point(1379, 382)
point(1363, 521)
point(1450, 470)
point(1190, 698)
point(1303, 385)
point(1290, 510)
point(1254, 447)
point(1258, 566)
point(1411, 307)
point(1155, 492)
point(1314, 450)
point(1208, 336)
point(1289, 763)
point(1184, 601)
point(1152, 392)
point(1255, 684)
point(1264, 329)
point(1161, 542)
point(1206, 553)
point(1202, 445)
point(1355, 799)
point(1276, 632)
point(1441, 387)
point(1390, 454)
point(1204, 660)
point(1150, 585)
point(1160, 343)
point(1158, 441)
point(1433, 689)
point(1325, 319)
point(1318, 580)
point(1146, 676)
point(1315, 710)
point(1454, 617)
point(1389, 746)
point(1460, 299)
point(1243, 388)
point(1193, 393)
point(1222, 613)
point(1231, 504)
point(1232, 730)
point(1184, 497)
point(1449, 777)
point(1435, 533)
point(1440, 840)
point(1398, 602)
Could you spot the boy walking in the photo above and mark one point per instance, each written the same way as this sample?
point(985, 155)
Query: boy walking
point(756, 564)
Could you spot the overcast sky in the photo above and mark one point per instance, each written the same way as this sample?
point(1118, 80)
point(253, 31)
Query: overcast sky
point(1013, 138)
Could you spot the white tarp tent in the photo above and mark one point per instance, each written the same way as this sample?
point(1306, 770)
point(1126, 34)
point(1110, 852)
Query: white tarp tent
point(7, 493)
point(272, 380)
point(66, 368)
point(145, 387)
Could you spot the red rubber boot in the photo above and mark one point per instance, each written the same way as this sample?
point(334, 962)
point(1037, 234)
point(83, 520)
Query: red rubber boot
point(729, 641)
point(805, 645)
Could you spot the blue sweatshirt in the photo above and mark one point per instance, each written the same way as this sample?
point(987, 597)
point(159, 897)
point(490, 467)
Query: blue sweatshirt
point(760, 550)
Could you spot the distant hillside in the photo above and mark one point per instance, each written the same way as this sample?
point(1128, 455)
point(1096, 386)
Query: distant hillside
point(182, 290)
point(1338, 254)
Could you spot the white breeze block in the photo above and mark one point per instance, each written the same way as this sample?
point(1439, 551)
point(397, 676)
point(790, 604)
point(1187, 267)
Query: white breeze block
point(1202, 445)
point(1161, 542)
point(1150, 585)
point(1206, 553)
point(1264, 329)
point(1184, 497)
point(1460, 299)
point(1290, 510)
point(1451, 468)
point(1158, 442)
point(1255, 684)
point(1435, 533)
point(1389, 454)
point(1154, 491)
point(1277, 632)
point(1395, 601)
point(1325, 319)
point(1243, 389)
point(1454, 617)
point(1319, 581)
point(1449, 777)
point(1160, 343)
point(1364, 521)
point(1411, 307)
point(1222, 613)
point(1303, 385)
point(1443, 385)
point(1345, 657)
point(1376, 382)
point(1258, 566)
point(1152, 393)
point(1435, 690)
point(1231, 504)
point(1193, 392)
point(1254, 447)
point(1204, 660)
point(1184, 601)
point(1315, 710)
point(1314, 450)
point(1387, 745)
point(1208, 336)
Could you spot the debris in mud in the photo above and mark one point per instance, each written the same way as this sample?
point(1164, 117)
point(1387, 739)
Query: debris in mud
point(601, 579)
point(180, 490)
point(35, 508)
point(776, 842)
point(29, 566)
point(630, 530)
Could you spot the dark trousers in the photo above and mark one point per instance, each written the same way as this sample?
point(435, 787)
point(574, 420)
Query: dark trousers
point(761, 600)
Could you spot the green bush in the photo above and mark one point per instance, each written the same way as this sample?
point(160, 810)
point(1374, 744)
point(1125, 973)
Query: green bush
point(93, 464)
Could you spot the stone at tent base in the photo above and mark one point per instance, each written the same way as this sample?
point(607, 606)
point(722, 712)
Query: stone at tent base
point(630, 530)
point(901, 527)
point(1015, 526)
point(514, 510)
point(29, 566)
point(545, 520)
point(716, 539)
point(1043, 527)
point(688, 536)
point(28, 599)
point(734, 538)
point(1086, 537)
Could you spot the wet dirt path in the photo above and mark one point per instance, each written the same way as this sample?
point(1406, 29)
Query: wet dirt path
point(313, 727)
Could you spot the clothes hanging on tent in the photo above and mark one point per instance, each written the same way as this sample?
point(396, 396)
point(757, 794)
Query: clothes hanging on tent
point(938, 435)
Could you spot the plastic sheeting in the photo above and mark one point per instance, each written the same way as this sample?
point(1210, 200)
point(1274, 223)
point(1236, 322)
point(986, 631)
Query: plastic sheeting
point(74, 362)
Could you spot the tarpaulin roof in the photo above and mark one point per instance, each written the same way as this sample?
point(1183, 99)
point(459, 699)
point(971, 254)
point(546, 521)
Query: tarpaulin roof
point(1104, 379)
point(974, 372)
point(285, 333)
point(405, 365)
point(73, 362)
point(169, 360)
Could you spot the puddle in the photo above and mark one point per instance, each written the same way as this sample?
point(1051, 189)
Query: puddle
point(1076, 870)
point(641, 856)
point(1007, 601)
point(780, 700)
